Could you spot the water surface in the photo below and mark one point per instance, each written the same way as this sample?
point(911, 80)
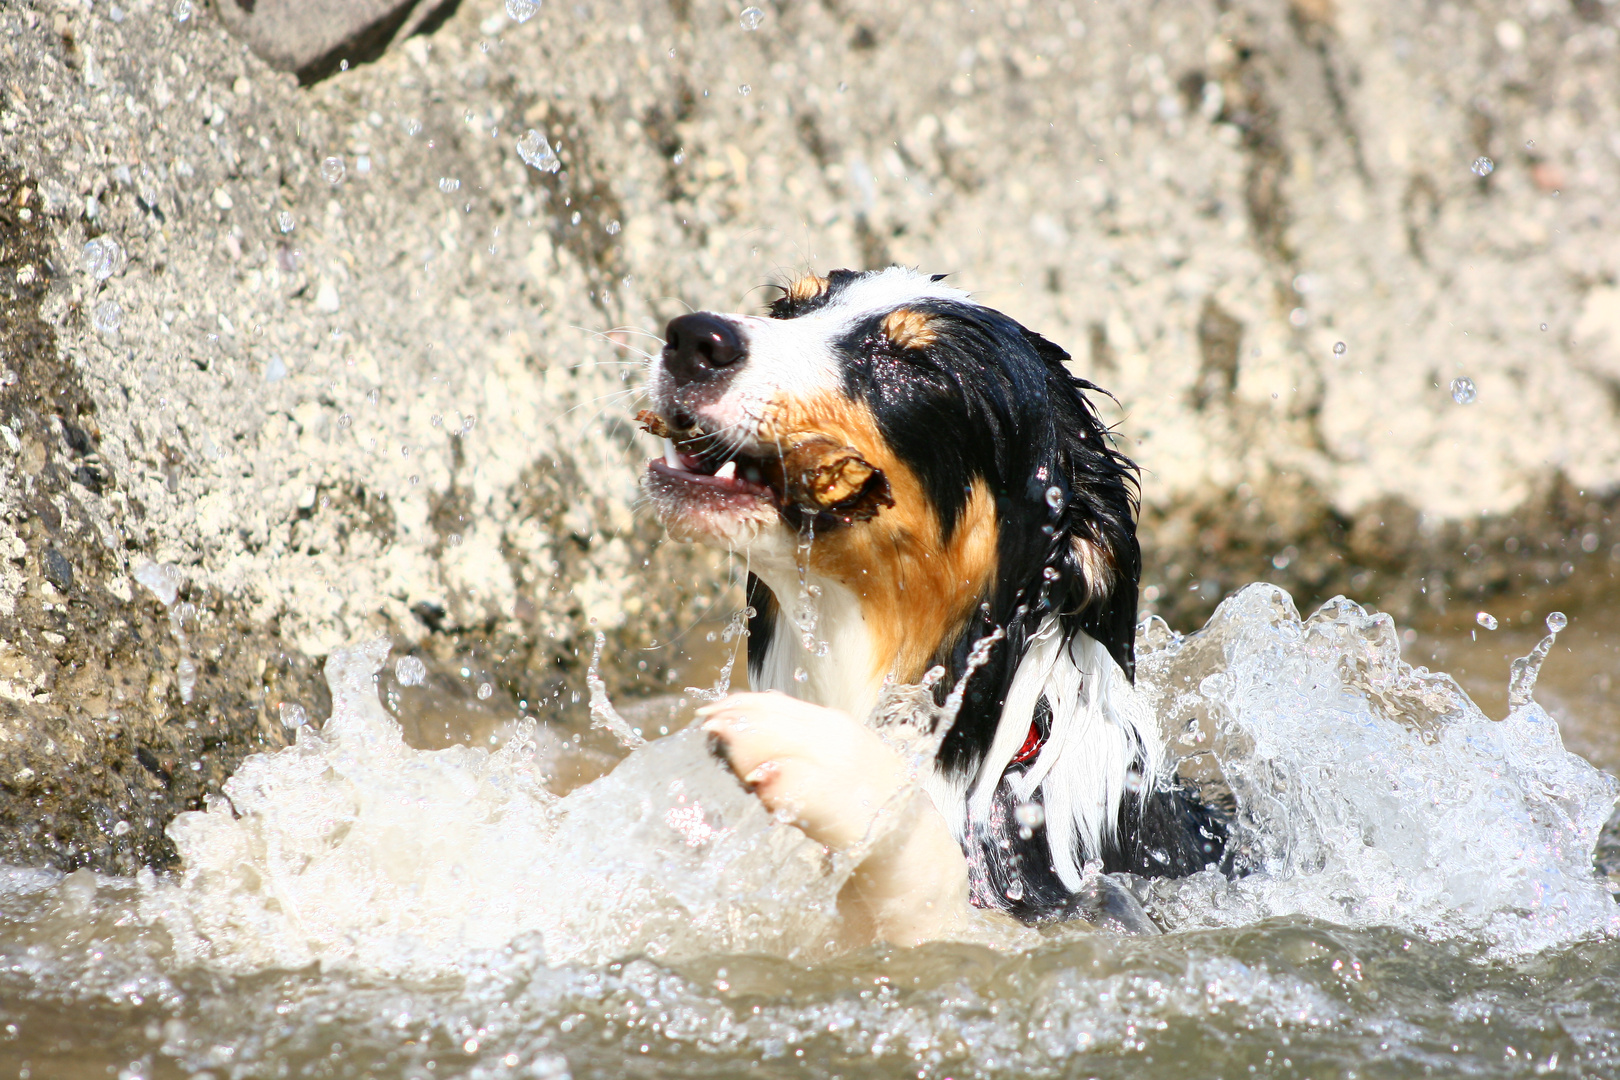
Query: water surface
point(1420, 903)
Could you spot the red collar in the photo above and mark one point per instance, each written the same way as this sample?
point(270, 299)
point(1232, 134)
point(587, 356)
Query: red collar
point(1032, 746)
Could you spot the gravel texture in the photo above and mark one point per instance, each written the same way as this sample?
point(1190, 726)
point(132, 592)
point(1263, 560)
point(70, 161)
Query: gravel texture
point(359, 363)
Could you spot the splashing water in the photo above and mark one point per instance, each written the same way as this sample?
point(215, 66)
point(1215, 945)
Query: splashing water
point(1525, 670)
point(1368, 794)
point(1463, 391)
point(537, 152)
point(102, 257)
point(1371, 793)
point(736, 627)
point(603, 714)
point(355, 851)
point(107, 317)
point(520, 11)
point(448, 914)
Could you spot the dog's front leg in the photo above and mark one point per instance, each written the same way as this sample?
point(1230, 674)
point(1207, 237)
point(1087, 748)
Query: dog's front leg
point(833, 778)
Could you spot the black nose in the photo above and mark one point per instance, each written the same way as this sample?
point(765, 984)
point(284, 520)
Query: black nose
point(699, 346)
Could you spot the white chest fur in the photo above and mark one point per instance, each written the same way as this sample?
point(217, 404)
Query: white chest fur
point(839, 670)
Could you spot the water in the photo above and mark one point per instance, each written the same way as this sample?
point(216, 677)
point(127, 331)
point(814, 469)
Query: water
point(1421, 902)
point(102, 257)
point(537, 152)
point(1463, 391)
point(107, 317)
point(520, 11)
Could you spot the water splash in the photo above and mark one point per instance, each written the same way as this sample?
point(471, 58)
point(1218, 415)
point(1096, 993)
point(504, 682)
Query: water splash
point(736, 627)
point(352, 850)
point(603, 714)
point(1372, 793)
point(1525, 670)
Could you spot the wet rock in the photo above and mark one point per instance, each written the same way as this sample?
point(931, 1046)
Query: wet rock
point(314, 38)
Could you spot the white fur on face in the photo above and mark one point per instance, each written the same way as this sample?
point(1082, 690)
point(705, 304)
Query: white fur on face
point(794, 358)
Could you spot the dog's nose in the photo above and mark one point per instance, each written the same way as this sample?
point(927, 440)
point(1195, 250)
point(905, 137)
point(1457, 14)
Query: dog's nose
point(700, 346)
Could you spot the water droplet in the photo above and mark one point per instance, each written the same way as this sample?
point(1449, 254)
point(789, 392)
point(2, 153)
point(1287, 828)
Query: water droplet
point(1340, 348)
point(182, 10)
point(285, 222)
point(435, 419)
point(1556, 622)
point(345, 420)
point(485, 691)
point(413, 126)
point(107, 317)
point(415, 480)
point(1298, 317)
point(1031, 816)
point(447, 184)
point(1050, 573)
point(1482, 166)
point(745, 89)
point(574, 218)
point(535, 151)
point(521, 10)
point(103, 258)
point(1486, 619)
point(679, 158)
point(750, 18)
point(800, 675)
point(1015, 891)
point(410, 671)
point(611, 228)
point(1463, 391)
point(1544, 326)
point(1054, 498)
point(1529, 144)
point(332, 170)
point(293, 714)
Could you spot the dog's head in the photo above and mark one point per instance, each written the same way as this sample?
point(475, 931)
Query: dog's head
point(949, 467)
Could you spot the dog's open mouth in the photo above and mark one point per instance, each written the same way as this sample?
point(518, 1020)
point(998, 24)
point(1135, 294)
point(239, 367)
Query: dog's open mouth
point(809, 476)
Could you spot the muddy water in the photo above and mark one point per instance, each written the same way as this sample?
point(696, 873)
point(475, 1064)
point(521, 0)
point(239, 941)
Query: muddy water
point(1420, 902)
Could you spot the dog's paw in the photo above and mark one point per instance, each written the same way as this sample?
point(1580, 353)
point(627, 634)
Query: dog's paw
point(819, 768)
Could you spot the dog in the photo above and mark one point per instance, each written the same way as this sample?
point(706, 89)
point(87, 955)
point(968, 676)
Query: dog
point(919, 481)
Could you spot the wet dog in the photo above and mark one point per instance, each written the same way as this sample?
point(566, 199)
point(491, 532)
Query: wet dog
point(913, 476)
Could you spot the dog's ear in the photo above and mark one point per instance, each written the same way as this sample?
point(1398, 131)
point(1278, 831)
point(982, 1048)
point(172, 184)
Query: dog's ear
point(1110, 615)
point(1097, 555)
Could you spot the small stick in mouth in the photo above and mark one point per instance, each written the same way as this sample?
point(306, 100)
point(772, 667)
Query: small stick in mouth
point(653, 424)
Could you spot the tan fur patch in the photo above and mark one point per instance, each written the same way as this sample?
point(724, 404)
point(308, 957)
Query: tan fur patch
point(807, 287)
point(1096, 565)
point(907, 329)
point(917, 592)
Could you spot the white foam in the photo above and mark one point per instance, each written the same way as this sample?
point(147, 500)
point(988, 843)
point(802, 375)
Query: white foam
point(1369, 794)
point(1372, 793)
point(353, 850)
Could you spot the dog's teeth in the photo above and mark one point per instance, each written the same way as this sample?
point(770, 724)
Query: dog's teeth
point(726, 471)
point(672, 457)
